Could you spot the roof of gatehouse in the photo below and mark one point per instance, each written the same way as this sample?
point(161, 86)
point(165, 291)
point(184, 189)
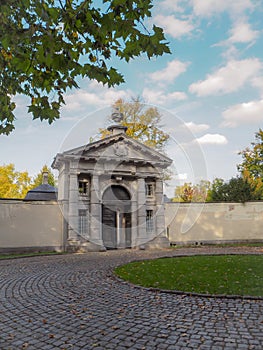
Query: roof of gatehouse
point(115, 147)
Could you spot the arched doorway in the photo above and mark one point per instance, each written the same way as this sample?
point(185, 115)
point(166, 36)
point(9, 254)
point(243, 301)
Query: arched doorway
point(116, 217)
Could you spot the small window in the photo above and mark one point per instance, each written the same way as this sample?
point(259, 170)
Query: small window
point(149, 221)
point(83, 187)
point(149, 189)
point(83, 222)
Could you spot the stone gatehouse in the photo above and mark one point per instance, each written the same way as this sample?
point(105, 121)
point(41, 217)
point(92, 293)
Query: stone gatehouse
point(111, 193)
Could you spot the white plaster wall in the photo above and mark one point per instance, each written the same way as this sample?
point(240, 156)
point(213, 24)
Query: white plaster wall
point(40, 224)
point(30, 224)
point(213, 222)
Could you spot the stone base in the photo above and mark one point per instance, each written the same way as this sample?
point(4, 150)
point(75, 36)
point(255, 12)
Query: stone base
point(83, 247)
point(159, 242)
point(72, 246)
point(91, 247)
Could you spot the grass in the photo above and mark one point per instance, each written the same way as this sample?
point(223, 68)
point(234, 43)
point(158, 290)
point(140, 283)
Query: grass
point(217, 274)
point(217, 245)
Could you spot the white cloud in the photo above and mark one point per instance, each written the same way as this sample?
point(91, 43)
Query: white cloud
point(176, 96)
point(159, 97)
point(170, 73)
point(209, 8)
point(242, 33)
point(227, 79)
point(258, 83)
point(174, 26)
point(174, 5)
point(181, 177)
point(96, 95)
point(30, 129)
point(215, 139)
point(195, 128)
point(244, 113)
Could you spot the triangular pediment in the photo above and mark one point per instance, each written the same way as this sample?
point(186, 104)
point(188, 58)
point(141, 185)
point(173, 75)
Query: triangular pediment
point(119, 147)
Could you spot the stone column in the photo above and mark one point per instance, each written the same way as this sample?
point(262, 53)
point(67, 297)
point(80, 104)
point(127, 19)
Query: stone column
point(134, 223)
point(141, 212)
point(95, 212)
point(160, 223)
point(73, 206)
point(161, 241)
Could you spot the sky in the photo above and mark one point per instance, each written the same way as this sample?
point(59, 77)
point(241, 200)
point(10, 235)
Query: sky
point(209, 91)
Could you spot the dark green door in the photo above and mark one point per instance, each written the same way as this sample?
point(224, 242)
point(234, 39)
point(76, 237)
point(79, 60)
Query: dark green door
point(127, 226)
point(116, 218)
point(109, 229)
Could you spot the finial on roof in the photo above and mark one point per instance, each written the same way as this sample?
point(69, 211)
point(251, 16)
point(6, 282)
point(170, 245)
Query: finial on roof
point(116, 115)
point(45, 178)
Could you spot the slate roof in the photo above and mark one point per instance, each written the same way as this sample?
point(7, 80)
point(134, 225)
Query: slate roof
point(44, 192)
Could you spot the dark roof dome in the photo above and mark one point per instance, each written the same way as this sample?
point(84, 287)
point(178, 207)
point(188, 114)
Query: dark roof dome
point(44, 192)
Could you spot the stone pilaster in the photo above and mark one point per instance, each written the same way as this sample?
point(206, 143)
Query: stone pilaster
point(95, 212)
point(160, 222)
point(73, 206)
point(160, 240)
point(141, 212)
point(134, 223)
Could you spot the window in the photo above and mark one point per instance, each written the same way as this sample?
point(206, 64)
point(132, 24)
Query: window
point(83, 187)
point(83, 222)
point(149, 189)
point(149, 221)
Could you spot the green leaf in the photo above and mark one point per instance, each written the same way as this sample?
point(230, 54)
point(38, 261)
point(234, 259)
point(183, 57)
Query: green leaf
point(46, 45)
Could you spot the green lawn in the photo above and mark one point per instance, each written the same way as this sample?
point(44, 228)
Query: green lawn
point(217, 274)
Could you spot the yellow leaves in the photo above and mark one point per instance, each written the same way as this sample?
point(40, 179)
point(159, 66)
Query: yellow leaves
point(104, 133)
point(6, 54)
point(92, 58)
point(142, 122)
point(75, 35)
point(13, 184)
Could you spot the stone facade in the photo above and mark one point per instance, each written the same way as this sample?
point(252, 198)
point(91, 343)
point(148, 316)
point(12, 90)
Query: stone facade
point(111, 194)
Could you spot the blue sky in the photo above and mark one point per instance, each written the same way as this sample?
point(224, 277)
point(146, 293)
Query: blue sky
point(209, 90)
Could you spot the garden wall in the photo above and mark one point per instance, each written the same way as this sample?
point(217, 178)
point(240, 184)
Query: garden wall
point(30, 226)
point(38, 226)
point(201, 223)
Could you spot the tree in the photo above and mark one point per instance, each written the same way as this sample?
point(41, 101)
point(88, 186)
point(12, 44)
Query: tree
point(237, 189)
point(13, 184)
point(253, 157)
point(201, 191)
point(184, 193)
point(46, 45)
point(37, 181)
point(192, 193)
point(251, 167)
point(217, 192)
point(143, 123)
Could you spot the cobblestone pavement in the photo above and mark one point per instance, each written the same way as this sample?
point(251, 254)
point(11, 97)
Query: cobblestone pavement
point(74, 302)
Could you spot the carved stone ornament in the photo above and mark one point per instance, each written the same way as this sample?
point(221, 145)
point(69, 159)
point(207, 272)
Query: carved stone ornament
point(120, 149)
point(117, 116)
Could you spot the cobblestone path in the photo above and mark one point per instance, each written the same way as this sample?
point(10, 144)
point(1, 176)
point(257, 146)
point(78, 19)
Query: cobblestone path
point(74, 302)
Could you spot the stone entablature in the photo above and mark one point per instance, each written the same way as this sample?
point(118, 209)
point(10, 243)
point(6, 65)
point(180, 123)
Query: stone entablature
point(132, 171)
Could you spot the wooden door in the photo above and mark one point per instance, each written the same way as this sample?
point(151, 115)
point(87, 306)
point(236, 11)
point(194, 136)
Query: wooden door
point(127, 227)
point(109, 229)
